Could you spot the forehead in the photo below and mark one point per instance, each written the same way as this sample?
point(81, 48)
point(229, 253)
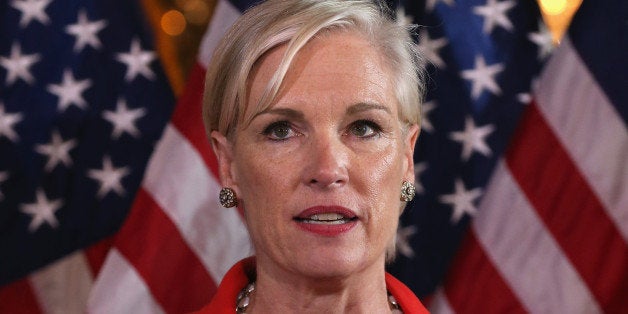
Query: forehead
point(339, 64)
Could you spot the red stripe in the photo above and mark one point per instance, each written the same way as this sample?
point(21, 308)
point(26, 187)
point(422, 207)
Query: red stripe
point(188, 119)
point(473, 285)
point(153, 245)
point(19, 298)
point(97, 253)
point(570, 209)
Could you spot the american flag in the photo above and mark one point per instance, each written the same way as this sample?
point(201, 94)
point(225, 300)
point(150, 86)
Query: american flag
point(481, 63)
point(83, 101)
point(549, 203)
point(550, 231)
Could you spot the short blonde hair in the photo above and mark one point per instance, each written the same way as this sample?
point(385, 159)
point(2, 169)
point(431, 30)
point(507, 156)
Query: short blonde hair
point(294, 23)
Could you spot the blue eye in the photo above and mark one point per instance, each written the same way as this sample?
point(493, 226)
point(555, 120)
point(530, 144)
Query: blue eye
point(364, 128)
point(279, 130)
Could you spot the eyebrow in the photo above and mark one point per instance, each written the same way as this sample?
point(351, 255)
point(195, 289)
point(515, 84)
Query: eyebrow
point(298, 115)
point(361, 107)
point(287, 112)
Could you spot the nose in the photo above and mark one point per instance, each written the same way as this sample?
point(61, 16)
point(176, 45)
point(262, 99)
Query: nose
point(327, 163)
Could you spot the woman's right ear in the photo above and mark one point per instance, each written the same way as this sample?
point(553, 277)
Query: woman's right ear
point(224, 153)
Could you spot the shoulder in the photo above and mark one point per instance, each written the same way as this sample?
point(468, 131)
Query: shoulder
point(409, 302)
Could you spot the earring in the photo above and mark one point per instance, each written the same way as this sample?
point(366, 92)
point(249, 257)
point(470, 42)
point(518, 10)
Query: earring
point(228, 198)
point(407, 191)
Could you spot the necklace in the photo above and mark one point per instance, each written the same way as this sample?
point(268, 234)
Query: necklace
point(244, 300)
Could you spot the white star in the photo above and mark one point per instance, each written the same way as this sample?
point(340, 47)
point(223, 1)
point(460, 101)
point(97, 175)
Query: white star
point(543, 39)
point(426, 124)
point(419, 168)
point(70, 90)
point(32, 10)
point(473, 139)
point(42, 211)
point(403, 240)
point(494, 13)
point(123, 119)
point(524, 98)
point(403, 18)
point(7, 122)
point(109, 177)
point(432, 3)
point(483, 77)
point(461, 201)
point(429, 48)
point(137, 61)
point(57, 151)
point(18, 65)
point(3, 177)
point(85, 32)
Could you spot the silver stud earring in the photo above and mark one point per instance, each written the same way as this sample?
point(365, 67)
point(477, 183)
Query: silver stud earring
point(407, 191)
point(228, 198)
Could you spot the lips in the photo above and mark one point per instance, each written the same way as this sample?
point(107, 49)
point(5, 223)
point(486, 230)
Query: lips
point(326, 220)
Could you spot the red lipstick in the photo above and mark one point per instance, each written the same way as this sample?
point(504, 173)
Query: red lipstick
point(327, 221)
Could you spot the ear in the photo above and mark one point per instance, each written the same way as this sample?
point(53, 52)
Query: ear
point(410, 140)
point(223, 149)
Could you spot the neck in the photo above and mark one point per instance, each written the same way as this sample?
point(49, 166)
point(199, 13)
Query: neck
point(363, 292)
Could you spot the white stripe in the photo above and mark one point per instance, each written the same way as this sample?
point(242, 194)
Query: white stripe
point(63, 287)
point(119, 289)
point(593, 133)
point(525, 254)
point(224, 16)
point(440, 304)
point(180, 183)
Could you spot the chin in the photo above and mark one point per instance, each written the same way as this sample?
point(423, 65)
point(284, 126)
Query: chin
point(336, 263)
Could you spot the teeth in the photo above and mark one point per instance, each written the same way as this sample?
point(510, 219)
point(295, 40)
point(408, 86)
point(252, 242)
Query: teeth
point(326, 217)
point(327, 222)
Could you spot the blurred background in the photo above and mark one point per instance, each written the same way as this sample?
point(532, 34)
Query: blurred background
point(184, 22)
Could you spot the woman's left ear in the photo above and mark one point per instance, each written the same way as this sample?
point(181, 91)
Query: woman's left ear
point(410, 141)
point(224, 154)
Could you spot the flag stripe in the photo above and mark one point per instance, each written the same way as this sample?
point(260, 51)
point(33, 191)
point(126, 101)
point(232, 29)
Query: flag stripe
point(472, 277)
point(67, 279)
point(161, 241)
point(97, 253)
point(569, 208)
point(188, 120)
point(599, 150)
point(18, 298)
point(526, 255)
point(440, 304)
point(120, 289)
point(190, 199)
point(225, 14)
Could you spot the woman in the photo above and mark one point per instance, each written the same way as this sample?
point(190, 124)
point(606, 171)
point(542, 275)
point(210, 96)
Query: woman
point(312, 108)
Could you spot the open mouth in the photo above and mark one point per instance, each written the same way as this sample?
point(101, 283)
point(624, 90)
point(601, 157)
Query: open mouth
point(326, 219)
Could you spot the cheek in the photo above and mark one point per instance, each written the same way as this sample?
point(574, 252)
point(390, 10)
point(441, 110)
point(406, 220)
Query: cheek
point(383, 174)
point(383, 171)
point(263, 182)
point(258, 198)
point(252, 170)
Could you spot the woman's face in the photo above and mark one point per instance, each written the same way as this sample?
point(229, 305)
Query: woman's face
point(319, 172)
